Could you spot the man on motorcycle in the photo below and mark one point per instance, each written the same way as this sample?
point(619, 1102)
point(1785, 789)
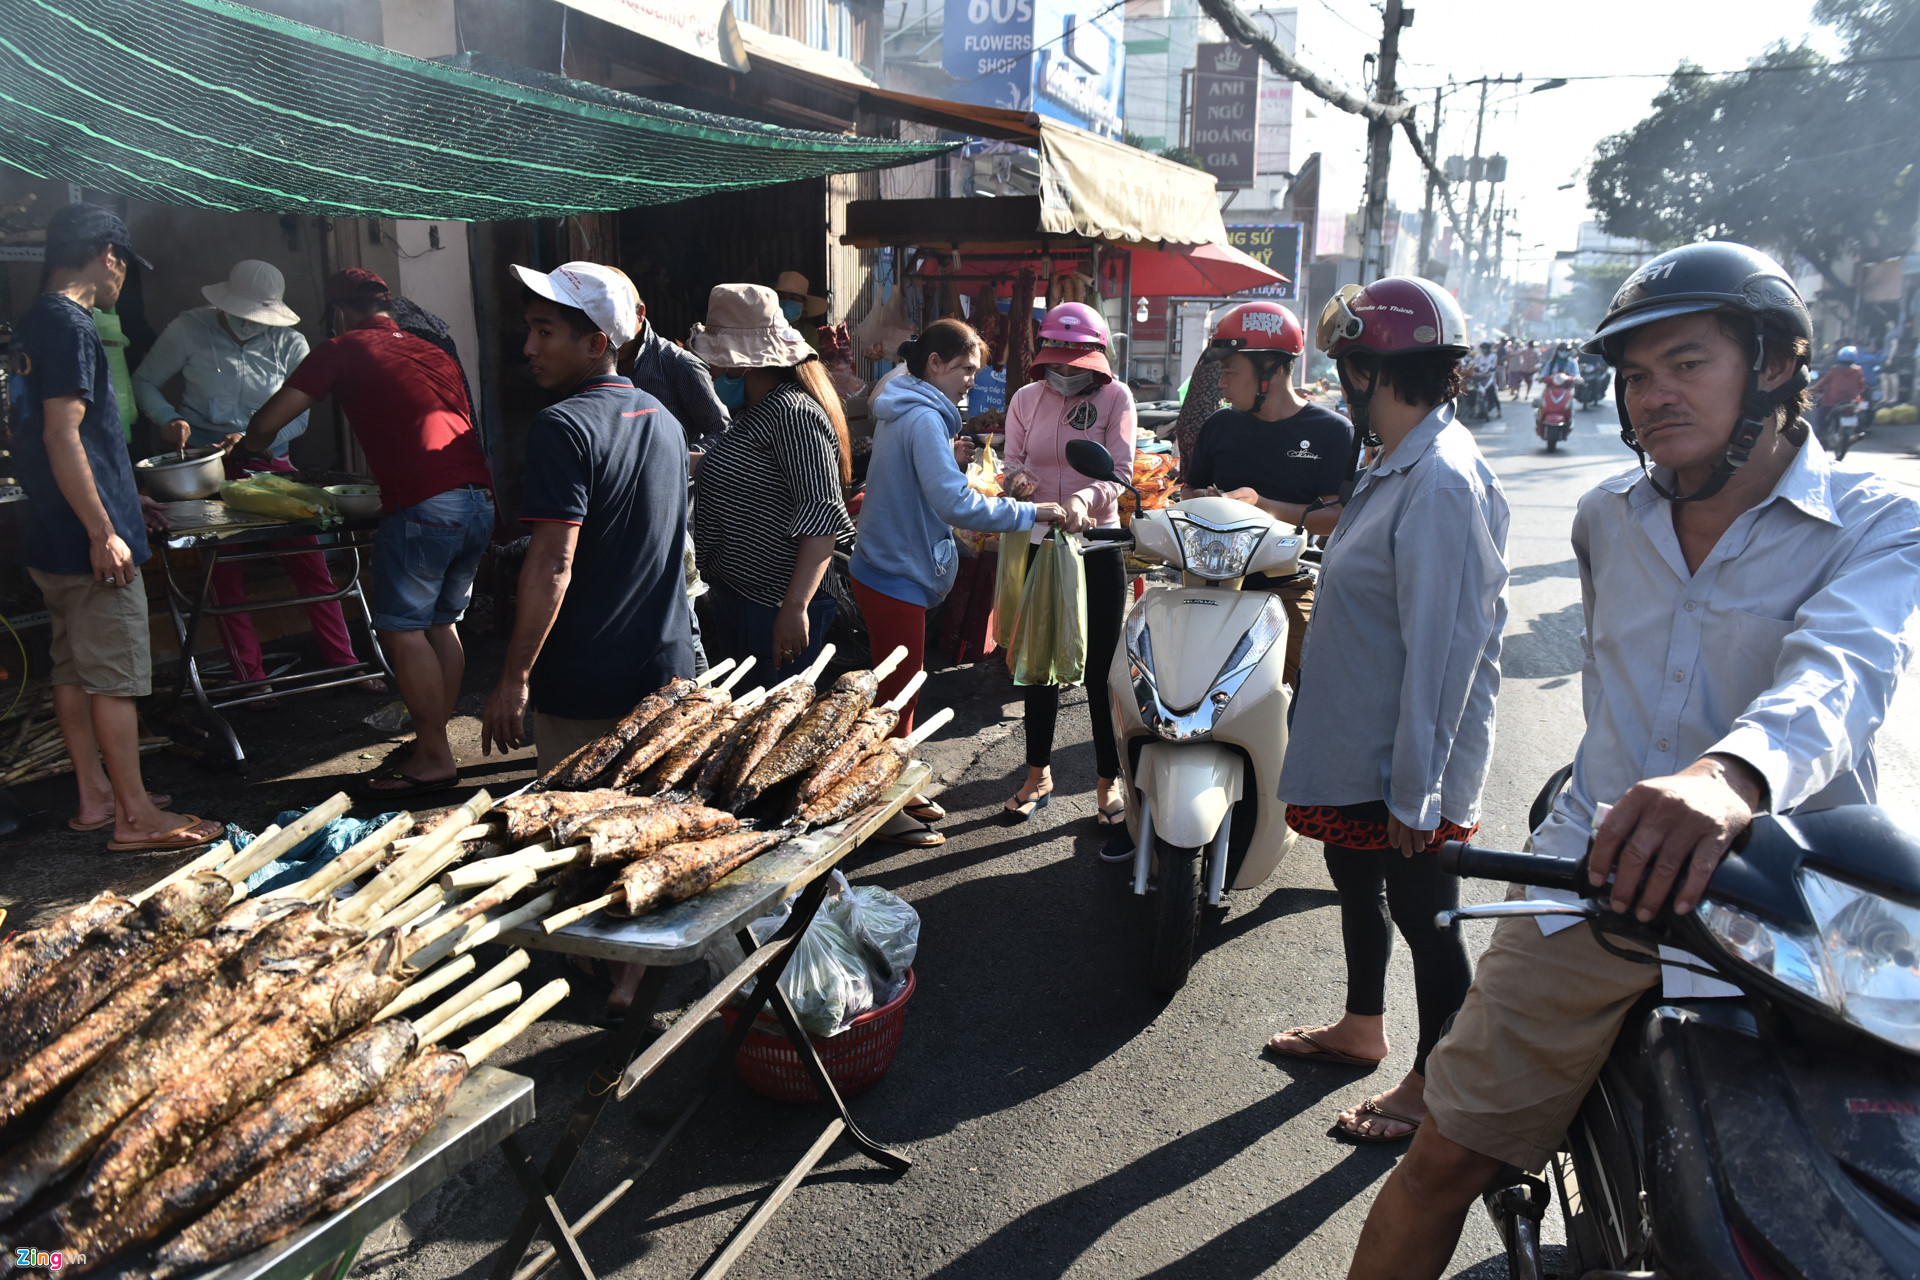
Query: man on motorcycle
point(1843, 383)
point(1748, 610)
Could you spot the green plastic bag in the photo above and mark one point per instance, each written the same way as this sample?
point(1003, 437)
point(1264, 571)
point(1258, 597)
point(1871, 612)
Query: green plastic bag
point(1050, 641)
point(1008, 581)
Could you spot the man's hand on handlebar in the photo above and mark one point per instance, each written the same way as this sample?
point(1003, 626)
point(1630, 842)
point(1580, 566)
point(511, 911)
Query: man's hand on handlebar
point(1674, 831)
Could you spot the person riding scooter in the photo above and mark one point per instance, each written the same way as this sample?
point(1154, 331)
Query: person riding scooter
point(1842, 386)
point(1482, 399)
point(1740, 653)
point(1595, 378)
point(1553, 420)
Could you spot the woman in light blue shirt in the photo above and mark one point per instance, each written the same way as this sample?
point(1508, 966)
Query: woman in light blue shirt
point(1393, 724)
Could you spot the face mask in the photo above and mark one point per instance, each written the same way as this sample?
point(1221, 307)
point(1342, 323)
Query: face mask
point(1069, 384)
point(791, 310)
point(732, 389)
point(245, 330)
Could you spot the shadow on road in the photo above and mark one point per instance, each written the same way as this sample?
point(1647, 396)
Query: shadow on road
point(1550, 646)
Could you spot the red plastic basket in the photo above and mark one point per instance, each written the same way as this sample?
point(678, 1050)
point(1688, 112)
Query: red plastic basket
point(855, 1059)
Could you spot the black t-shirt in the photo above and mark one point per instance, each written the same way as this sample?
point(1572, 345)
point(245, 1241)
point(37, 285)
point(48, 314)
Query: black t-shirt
point(1296, 459)
point(56, 352)
point(610, 459)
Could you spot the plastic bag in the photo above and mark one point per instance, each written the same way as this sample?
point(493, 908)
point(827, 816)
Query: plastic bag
point(1050, 639)
point(827, 981)
point(312, 854)
point(1010, 580)
point(266, 494)
point(887, 931)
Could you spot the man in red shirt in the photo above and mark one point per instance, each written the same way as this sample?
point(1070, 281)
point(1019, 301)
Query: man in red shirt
point(407, 403)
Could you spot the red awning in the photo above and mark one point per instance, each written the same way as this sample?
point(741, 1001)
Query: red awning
point(1198, 270)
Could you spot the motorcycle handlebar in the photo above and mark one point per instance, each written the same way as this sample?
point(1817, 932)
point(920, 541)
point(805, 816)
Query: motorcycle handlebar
point(1107, 535)
point(1457, 857)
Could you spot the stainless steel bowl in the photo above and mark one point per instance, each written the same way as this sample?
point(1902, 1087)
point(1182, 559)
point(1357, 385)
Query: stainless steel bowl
point(356, 501)
point(166, 478)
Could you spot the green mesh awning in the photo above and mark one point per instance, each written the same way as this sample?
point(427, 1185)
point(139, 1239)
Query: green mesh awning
point(215, 105)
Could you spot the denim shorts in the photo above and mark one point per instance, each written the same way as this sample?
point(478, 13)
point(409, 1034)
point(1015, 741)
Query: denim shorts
point(424, 559)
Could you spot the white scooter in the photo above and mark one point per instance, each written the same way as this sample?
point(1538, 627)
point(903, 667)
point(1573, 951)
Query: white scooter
point(1199, 706)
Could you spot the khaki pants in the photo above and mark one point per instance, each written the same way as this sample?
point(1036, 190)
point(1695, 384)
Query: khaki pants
point(1529, 1041)
point(555, 737)
point(100, 636)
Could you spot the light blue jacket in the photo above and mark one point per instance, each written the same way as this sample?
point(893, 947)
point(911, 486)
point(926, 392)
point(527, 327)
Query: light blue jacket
point(226, 380)
point(917, 495)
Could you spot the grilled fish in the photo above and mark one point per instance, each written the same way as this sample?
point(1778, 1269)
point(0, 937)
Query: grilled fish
point(295, 1026)
point(339, 1081)
point(867, 783)
point(763, 731)
point(530, 816)
point(624, 836)
point(332, 1169)
point(566, 826)
point(714, 767)
point(823, 725)
point(679, 871)
point(867, 732)
point(696, 710)
point(586, 764)
point(178, 1039)
point(65, 993)
point(64, 1059)
point(678, 764)
point(30, 954)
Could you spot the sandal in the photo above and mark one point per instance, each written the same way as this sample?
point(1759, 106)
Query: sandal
point(190, 834)
point(1114, 815)
point(1353, 1132)
point(410, 785)
point(914, 837)
point(1320, 1052)
point(156, 799)
point(1020, 811)
point(925, 810)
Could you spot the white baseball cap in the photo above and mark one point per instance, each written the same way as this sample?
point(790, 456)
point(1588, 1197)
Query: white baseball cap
point(606, 295)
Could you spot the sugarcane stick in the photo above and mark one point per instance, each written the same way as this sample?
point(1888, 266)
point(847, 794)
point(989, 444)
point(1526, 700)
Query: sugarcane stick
point(561, 919)
point(428, 899)
point(492, 1002)
point(497, 976)
point(714, 672)
point(478, 905)
point(352, 862)
point(431, 985)
point(480, 930)
point(887, 665)
point(906, 693)
point(208, 861)
point(538, 857)
point(267, 848)
point(419, 864)
point(477, 831)
point(515, 1024)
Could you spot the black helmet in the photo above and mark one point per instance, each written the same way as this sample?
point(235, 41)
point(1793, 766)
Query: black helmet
point(1716, 275)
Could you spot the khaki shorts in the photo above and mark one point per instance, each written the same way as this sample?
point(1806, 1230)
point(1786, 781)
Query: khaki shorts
point(1530, 1040)
point(555, 737)
point(100, 636)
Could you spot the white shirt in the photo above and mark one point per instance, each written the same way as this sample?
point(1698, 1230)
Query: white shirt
point(1402, 658)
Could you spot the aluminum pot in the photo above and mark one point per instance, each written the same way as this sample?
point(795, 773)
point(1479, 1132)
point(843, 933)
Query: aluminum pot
point(166, 478)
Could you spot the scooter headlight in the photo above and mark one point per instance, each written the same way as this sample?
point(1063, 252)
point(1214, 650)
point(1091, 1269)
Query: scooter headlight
point(1217, 553)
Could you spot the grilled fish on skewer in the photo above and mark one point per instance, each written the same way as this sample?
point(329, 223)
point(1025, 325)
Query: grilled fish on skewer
point(586, 764)
point(32, 953)
point(65, 993)
point(529, 816)
point(681, 761)
point(867, 733)
point(679, 871)
point(823, 724)
point(762, 732)
point(872, 776)
point(714, 768)
point(624, 836)
point(37, 1078)
point(685, 718)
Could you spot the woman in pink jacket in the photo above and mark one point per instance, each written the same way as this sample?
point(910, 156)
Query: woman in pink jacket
point(1078, 398)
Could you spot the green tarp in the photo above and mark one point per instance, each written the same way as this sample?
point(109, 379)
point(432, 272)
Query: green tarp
point(219, 106)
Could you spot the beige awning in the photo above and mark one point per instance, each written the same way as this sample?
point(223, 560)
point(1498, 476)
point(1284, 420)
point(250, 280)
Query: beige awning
point(1106, 190)
point(764, 45)
point(704, 28)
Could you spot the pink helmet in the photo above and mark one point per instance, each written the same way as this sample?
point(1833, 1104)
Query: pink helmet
point(1075, 323)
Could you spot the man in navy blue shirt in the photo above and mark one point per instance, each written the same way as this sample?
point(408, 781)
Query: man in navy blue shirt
point(86, 537)
point(603, 618)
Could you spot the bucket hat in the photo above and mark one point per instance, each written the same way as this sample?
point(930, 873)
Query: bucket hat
point(792, 282)
point(253, 290)
point(745, 330)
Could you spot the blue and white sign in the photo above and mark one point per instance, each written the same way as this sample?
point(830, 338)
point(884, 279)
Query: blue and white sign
point(1060, 58)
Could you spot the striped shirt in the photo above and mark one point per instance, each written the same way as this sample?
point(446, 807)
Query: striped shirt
point(773, 478)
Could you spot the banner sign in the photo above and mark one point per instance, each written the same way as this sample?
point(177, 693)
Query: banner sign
point(1226, 112)
point(1059, 58)
point(703, 28)
point(1275, 245)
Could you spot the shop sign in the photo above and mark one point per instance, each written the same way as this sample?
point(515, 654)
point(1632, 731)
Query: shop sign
point(704, 28)
point(989, 390)
point(1274, 245)
point(1226, 112)
point(1060, 58)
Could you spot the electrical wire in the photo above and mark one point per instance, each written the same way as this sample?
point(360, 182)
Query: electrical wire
point(1694, 73)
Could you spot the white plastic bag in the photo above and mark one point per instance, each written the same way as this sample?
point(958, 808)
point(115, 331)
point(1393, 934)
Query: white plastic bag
point(887, 931)
point(827, 982)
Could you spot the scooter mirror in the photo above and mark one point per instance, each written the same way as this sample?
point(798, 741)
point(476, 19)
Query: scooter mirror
point(1091, 459)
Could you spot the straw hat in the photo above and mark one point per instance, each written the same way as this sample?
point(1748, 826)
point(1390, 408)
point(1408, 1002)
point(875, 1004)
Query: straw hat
point(791, 284)
point(745, 330)
point(253, 290)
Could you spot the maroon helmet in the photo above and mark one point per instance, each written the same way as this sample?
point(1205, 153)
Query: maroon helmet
point(1391, 317)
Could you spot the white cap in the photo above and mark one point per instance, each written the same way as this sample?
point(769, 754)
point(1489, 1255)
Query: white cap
point(607, 296)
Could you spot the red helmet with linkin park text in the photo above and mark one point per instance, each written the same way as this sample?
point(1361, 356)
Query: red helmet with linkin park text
point(1393, 316)
point(1256, 326)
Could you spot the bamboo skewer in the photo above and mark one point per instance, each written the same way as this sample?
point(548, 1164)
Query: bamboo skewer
point(714, 672)
point(417, 865)
point(493, 978)
point(561, 919)
point(739, 673)
point(479, 930)
point(515, 1024)
point(886, 666)
point(477, 831)
point(428, 899)
point(925, 730)
point(812, 674)
point(537, 857)
point(352, 862)
point(479, 904)
point(208, 861)
point(268, 847)
point(492, 1002)
point(434, 983)
point(905, 695)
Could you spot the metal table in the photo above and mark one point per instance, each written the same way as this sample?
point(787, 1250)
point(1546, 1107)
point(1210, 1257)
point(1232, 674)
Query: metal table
point(661, 940)
point(224, 534)
point(486, 1109)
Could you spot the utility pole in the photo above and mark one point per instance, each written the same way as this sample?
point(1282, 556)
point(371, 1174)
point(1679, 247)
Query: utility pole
point(1426, 212)
point(1474, 167)
point(1380, 145)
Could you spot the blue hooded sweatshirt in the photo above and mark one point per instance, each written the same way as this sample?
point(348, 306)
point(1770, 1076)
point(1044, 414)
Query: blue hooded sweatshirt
point(917, 495)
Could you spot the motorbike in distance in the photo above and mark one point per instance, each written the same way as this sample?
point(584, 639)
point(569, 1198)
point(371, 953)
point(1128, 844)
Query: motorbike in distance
point(1482, 400)
point(1595, 379)
point(1844, 425)
point(1763, 1137)
point(1553, 421)
point(1199, 705)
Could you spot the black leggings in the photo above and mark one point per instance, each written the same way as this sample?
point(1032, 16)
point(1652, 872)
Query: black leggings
point(1106, 609)
point(1375, 884)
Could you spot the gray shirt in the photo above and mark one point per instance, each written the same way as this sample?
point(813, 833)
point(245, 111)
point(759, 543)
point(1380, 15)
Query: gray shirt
point(1402, 658)
point(225, 380)
point(1782, 649)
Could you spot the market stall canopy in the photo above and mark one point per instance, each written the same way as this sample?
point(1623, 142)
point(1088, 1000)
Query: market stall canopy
point(216, 105)
point(1201, 270)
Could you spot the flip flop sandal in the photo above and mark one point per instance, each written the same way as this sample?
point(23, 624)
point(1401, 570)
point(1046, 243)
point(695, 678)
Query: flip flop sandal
point(1018, 812)
point(1352, 1133)
point(411, 786)
point(1320, 1052)
point(158, 801)
point(191, 834)
point(1115, 816)
point(925, 811)
point(924, 838)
